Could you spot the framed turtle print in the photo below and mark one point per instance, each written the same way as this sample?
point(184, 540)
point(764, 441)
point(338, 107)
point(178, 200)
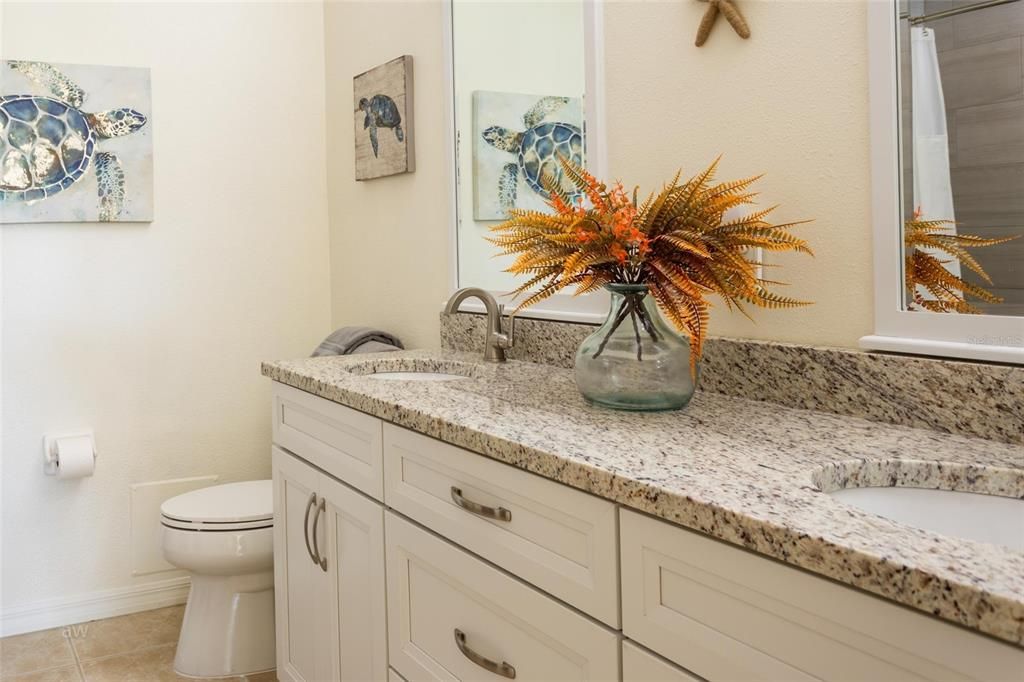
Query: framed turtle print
point(517, 140)
point(76, 143)
point(383, 104)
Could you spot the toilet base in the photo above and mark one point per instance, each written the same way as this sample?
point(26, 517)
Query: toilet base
point(228, 628)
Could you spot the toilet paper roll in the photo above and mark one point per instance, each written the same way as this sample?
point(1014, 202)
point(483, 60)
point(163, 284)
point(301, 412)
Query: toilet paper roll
point(75, 457)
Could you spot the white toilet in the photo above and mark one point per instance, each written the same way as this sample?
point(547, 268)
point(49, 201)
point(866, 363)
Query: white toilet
point(224, 536)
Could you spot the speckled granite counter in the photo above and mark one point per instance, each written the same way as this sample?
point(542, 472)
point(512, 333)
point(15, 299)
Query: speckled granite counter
point(747, 472)
point(973, 399)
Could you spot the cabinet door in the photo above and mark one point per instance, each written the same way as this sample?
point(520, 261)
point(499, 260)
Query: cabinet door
point(354, 548)
point(299, 584)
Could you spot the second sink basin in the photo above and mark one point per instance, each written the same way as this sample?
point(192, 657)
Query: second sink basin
point(972, 516)
point(980, 503)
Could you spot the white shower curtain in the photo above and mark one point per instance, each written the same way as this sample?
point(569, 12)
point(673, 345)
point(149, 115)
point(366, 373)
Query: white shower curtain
point(933, 191)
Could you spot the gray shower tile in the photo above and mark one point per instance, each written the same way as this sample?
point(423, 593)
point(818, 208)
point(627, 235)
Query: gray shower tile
point(982, 74)
point(989, 196)
point(991, 134)
point(988, 24)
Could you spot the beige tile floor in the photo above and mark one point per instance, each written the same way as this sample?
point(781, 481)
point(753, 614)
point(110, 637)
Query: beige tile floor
point(134, 648)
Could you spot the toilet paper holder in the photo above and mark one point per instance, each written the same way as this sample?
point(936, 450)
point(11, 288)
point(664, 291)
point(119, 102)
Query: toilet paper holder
point(51, 450)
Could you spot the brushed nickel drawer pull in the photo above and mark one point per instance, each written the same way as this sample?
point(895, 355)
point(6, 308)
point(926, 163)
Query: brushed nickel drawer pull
point(305, 527)
point(320, 560)
point(497, 513)
point(503, 668)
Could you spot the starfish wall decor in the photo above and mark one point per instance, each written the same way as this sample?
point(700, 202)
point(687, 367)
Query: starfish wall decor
point(731, 13)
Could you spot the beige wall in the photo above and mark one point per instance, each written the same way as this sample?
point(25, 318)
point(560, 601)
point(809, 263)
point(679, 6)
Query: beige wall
point(152, 334)
point(790, 102)
point(389, 237)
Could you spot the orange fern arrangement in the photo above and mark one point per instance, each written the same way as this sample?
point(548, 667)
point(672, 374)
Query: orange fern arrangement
point(676, 242)
point(929, 284)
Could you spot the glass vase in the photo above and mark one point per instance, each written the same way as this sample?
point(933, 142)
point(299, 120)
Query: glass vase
point(635, 360)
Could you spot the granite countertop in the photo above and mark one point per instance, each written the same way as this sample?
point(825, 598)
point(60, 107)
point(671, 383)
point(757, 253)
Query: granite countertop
point(748, 472)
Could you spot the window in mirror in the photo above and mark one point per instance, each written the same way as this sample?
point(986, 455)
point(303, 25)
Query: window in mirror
point(962, 100)
point(948, 111)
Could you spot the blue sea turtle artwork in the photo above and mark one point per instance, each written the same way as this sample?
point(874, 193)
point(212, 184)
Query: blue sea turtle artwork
point(381, 112)
point(536, 149)
point(382, 117)
point(48, 143)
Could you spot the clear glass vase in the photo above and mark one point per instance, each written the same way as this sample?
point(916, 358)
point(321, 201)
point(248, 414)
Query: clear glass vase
point(635, 360)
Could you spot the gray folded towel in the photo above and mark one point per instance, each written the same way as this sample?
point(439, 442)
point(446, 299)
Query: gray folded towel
point(348, 340)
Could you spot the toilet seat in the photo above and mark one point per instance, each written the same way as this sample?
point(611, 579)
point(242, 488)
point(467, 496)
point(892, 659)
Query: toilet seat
point(221, 508)
point(213, 527)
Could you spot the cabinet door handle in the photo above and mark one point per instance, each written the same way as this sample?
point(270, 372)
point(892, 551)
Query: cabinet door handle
point(503, 668)
point(305, 527)
point(319, 560)
point(496, 513)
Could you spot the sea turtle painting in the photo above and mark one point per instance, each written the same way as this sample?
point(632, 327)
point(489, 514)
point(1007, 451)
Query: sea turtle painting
point(49, 143)
point(382, 106)
point(537, 149)
point(381, 112)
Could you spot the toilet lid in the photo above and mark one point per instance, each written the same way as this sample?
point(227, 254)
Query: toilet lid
point(231, 503)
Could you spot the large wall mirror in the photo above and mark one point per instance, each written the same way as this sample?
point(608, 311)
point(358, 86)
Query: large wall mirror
point(525, 88)
point(948, 175)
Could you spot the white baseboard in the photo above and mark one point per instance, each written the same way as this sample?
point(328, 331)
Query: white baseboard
point(61, 611)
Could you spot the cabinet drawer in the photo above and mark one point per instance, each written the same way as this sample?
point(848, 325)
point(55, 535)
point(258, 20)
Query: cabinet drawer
point(341, 441)
point(727, 614)
point(562, 540)
point(640, 665)
point(436, 590)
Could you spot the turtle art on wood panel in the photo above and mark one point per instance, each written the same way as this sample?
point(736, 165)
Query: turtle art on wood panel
point(49, 146)
point(383, 125)
point(551, 127)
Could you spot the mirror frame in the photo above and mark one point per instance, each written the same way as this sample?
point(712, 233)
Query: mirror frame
point(977, 337)
point(564, 307)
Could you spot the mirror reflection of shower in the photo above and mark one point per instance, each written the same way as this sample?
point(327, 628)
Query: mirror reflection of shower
point(962, 139)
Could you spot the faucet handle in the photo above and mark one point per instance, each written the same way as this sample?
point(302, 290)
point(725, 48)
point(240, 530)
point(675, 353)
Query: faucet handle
point(506, 339)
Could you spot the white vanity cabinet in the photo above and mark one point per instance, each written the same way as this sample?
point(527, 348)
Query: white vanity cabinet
point(400, 557)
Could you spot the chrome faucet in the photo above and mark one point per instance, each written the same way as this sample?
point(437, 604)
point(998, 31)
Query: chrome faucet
point(497, 341)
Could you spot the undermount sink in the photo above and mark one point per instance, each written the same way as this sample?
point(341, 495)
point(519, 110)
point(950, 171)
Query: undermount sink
point(984, 504)
point(415, 376)
point(414, 369)
point(972, 516)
